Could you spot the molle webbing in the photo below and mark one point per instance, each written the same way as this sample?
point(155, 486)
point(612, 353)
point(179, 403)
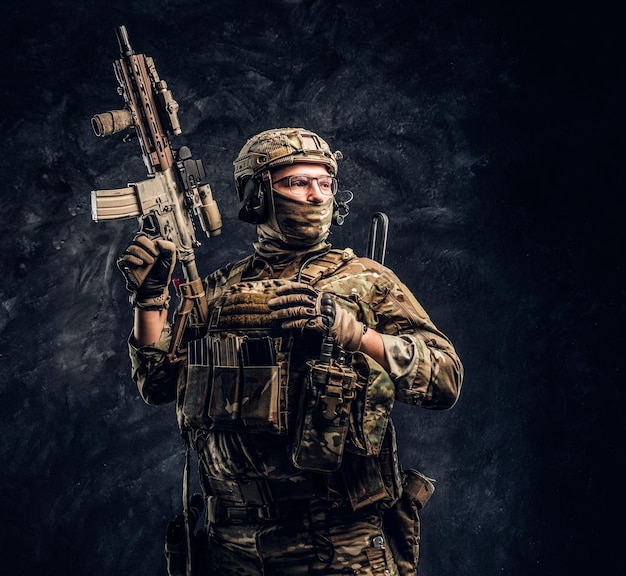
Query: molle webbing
point(238, 269)
point(248, 309)
point(243, 306)
point(324, 265)
point(244, 303)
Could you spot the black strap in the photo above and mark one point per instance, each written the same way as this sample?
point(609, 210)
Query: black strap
point(186, 513)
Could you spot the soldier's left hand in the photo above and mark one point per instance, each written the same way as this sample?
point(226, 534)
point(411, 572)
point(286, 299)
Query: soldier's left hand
point(300, 306)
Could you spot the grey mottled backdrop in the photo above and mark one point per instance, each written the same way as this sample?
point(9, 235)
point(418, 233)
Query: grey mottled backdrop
point(492, 136)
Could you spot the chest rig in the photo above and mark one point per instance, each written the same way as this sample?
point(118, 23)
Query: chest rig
point(321, 413)
point(246, 374)
point(237, 375)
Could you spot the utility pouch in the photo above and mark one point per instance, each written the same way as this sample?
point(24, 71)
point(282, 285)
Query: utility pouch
point(363, 480)
point(417, 487)
point(176, 547)
point(402, 522)
point(369, 479)
point(185, 557)
point(323, 421)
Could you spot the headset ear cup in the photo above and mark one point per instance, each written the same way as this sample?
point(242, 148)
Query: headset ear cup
point(253, 210)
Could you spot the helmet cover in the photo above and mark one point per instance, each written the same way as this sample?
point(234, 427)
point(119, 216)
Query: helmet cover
point(281, 147)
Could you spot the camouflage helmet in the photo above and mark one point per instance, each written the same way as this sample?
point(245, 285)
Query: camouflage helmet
point(280, 147)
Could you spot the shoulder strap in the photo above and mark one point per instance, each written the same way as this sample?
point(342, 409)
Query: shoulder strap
point(236, 272)
point(225, 277)
point(311, 272)
point(325, 265)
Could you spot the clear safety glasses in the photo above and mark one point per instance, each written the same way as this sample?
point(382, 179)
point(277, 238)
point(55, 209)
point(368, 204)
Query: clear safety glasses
point(301, 184)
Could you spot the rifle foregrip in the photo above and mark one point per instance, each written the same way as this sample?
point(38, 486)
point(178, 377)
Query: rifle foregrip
point(114, 204)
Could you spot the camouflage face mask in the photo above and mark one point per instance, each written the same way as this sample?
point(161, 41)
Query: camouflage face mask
point(295, 223)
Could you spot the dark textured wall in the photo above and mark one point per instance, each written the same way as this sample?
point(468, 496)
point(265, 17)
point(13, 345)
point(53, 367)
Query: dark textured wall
point(492, 137)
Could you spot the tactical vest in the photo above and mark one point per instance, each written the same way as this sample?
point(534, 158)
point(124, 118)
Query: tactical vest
point(333, 408)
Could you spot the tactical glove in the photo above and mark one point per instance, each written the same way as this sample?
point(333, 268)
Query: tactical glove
point(147, 266)
point(300, 306)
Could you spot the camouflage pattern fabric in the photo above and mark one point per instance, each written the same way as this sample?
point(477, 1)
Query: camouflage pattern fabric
point(324, 423)
point(425, 367)
point(425, 371)
point(336, 543)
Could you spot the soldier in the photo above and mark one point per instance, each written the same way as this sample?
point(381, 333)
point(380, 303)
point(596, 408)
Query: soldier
point(286, 392)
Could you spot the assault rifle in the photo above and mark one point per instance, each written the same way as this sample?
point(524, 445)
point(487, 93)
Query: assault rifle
point(173, 194)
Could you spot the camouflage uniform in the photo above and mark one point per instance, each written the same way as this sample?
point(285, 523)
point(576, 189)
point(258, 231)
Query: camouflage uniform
point(270, 513)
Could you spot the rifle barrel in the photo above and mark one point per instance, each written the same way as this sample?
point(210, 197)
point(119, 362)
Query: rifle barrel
point(123, 41)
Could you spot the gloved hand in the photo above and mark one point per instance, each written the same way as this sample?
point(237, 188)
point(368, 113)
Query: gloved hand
point(301, 306)
point(147, 266)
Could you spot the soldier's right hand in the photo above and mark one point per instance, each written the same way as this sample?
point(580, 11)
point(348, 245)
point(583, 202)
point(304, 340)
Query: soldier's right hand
point(147, 266)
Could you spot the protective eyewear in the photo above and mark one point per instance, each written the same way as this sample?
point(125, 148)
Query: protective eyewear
point(301, 184)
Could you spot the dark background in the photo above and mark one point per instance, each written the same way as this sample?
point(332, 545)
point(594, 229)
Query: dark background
point(493, 137)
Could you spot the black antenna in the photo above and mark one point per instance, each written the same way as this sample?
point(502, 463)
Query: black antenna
point(377, 241)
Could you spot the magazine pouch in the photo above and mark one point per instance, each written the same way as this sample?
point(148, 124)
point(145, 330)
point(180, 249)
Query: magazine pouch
point(249, 384)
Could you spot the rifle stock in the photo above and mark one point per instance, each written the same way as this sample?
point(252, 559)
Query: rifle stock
point(167, 202)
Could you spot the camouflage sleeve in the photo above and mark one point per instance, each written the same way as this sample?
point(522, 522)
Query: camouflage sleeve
point(154, 375)
point(156, 378)
point(423, 363)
